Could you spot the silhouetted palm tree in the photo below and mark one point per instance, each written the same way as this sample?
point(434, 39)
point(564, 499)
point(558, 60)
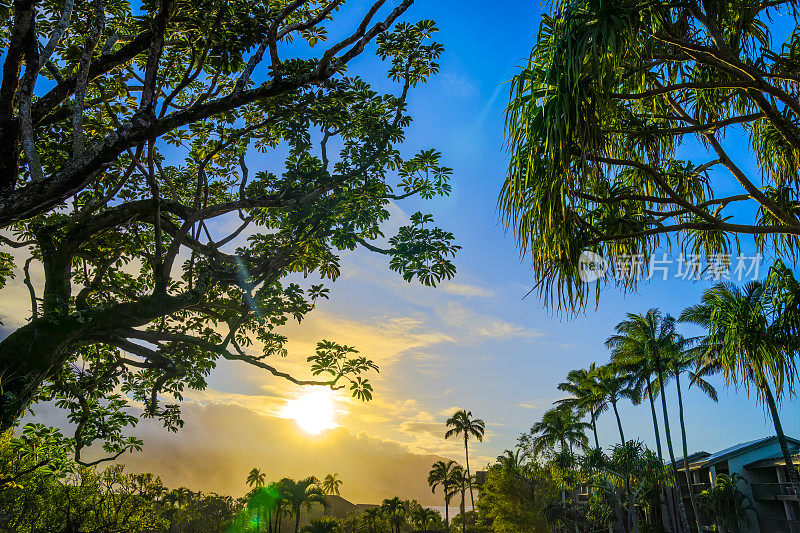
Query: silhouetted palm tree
point(256, 478)
point(300, 494)
point(461, 480)
point(462, 423)
point(442, 473)
point(331, 484)
point(395, 509)
point(371, 516)
point(747, 345)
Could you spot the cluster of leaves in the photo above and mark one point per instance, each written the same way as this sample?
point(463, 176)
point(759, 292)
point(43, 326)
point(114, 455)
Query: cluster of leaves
point(597, 119)
point(162, 252)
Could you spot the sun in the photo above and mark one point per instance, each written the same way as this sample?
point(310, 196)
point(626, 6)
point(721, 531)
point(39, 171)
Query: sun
point(314, 411)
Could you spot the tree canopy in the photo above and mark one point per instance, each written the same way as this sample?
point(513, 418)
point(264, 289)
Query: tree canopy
point(126, 147)
point(626, 131)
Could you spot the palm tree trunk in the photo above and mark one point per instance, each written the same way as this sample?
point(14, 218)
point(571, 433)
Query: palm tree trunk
point(297, 521)
point(655, 420)
point(686, 453)
point(463, 511)
point(619, 422)
point(662, 492)
point(594, 430)
point(681, 506)
point(446, 511)
point(469, 478)
point(787, 457)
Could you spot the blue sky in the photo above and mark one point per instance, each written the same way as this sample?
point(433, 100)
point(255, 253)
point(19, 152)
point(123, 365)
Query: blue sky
point(472, 343)
point(460, 112)
point(475, 342)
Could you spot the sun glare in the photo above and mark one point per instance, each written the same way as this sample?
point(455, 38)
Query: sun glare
point(314, 411)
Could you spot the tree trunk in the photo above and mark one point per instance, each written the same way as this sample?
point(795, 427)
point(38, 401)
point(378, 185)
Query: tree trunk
point(662, 492)
point(446, 511)
point(655, 420)
point(594, 430)
point(463, 511)
point(28, 357)
point(469, 478)
point(686, 453)
point(787, 457)
point(681, 507)
point(297, 521)
point(619, 422)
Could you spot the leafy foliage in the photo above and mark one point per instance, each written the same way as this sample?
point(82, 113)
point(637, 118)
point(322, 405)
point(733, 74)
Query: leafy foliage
point(126, 158)
point(598, 118)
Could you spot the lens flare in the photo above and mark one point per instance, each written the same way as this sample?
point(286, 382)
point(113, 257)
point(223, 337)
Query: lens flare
point(314, 411)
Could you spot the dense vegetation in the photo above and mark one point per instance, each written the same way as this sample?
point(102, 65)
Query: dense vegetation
point(127, 144)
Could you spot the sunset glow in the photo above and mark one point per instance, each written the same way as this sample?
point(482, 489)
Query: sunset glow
point(314, 411)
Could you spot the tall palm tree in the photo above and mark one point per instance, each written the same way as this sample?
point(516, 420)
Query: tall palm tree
point(682, 360)
point(331, 484)
point(395, 509)
point(300, 494)
point(613, 386)
point(461, 480)
point(747, 345)
point(584, 399)
point(371, 516)
point(442, 473)
point(462, 423)
point(559, 425)
point(256, 478)
point(643, 341)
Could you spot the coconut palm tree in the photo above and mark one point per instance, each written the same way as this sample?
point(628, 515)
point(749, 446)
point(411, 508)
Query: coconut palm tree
point(648, 341)
point(371, 517)
point(461, 480)
point(462, 423)
point(256, 478)
point(395, 509)
point(584, 399)
point(325, 524)
point(746, 343)
point(442, 473)
point(613, 386)
point(331, 484)
point(682, 360)
point(301, 494)
point(559, 425)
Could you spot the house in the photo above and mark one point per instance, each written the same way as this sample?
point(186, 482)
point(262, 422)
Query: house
point(774, 504)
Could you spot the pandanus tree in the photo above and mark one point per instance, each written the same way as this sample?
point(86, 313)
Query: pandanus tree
point(462, 423)
point(747, 343)
point(645, 342)
point(627, 479)
point(444, 474)
point(559, 426)
point(597, 118)
point(584, 396)
point(126, 144)
point(726, 503)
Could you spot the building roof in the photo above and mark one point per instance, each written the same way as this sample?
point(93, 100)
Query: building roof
point(772, 461)
point(692, 457)
point(733, 451)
